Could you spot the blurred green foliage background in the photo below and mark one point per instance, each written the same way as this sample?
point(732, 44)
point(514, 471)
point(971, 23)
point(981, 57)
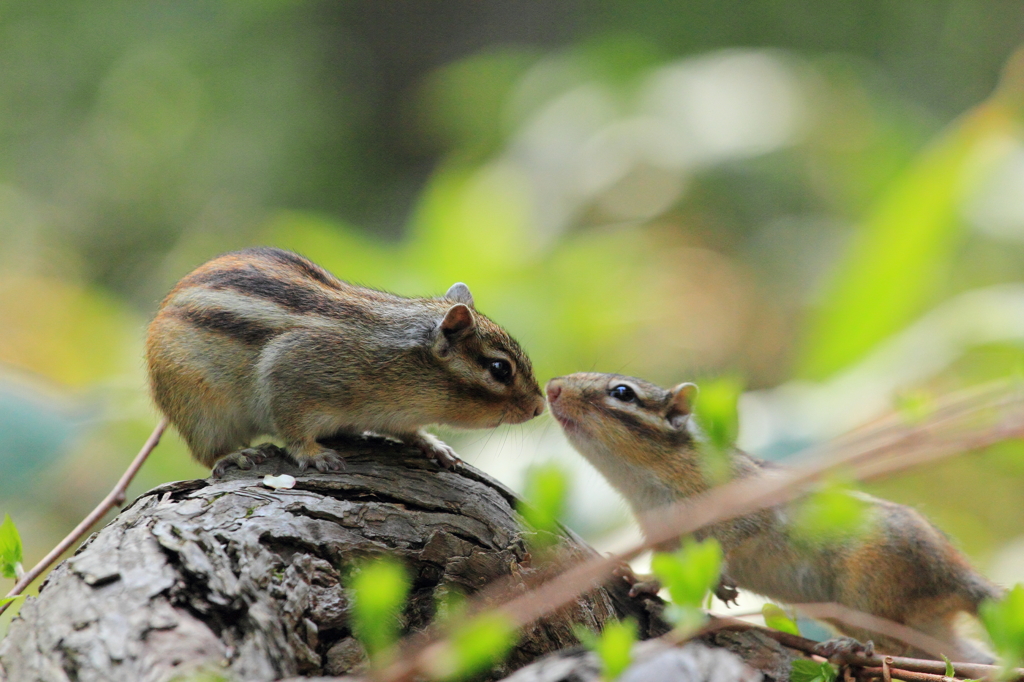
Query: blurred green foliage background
point(826, 199)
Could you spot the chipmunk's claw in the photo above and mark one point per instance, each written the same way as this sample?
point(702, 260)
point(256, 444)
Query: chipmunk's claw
point(244, 459)
point(325, 461)
point(727, 591)
point(434, 448)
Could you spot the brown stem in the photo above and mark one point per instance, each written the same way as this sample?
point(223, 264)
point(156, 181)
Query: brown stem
point(907, 675)
point(866, 621)
point(875, 663)
point(114, 498)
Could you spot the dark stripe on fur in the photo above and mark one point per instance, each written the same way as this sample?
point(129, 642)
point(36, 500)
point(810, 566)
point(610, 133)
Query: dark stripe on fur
point(296, 298)
point(224, 322)
point(301, 265)
point(635, 424)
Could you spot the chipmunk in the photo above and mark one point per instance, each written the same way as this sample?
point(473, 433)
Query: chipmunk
point(263, 341)
point(641, 438)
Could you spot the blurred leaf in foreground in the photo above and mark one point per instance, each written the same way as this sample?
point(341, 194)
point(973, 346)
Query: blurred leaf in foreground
point(833, 513)
point(901, 253)
point(1004, 622)
point(614, 646)
point(689, 574)
point(474, 647)
point(547, 488)
point(10, 549)
point(811, 671)
point(718, 418)
point(777, 619)
point(379, 589)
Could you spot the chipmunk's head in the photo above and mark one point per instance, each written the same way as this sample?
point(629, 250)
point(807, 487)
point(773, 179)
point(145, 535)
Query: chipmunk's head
point(490, 378)
point(623, 414)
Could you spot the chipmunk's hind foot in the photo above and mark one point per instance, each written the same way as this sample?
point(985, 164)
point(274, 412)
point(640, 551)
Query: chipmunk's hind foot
point(323, 459)
point(245, 458)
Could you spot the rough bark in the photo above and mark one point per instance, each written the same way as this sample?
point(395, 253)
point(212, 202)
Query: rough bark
point(231, 576)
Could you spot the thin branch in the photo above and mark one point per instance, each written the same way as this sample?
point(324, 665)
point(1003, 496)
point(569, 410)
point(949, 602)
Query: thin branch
point(889, 447)
point(882, 626)
point(114, 498)
point(917, 665)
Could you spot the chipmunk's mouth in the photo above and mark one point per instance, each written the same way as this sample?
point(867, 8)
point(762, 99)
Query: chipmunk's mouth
point(568, 424)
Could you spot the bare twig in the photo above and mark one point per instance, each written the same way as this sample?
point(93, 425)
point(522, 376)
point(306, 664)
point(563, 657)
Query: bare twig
point(114, 498)
point(875, 662)
point(889, 447)
point(866, 621)
point(906, 675)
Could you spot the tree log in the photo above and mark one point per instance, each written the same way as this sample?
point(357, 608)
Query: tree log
point(236, 578)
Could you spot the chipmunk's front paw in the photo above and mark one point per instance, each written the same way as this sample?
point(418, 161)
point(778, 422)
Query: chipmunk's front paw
point(727, 591)
point(434, 448)
point(244, 459)
point(645, 586)
point(839, 646)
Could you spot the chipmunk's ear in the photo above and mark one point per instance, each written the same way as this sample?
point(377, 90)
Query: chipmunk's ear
point(680, 404)
point(459, 293)
point(457, 323)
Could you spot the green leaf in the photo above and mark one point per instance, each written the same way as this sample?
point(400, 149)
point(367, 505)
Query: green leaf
point(10, 549)
point(949, 666)
point(1004, 622)
point(810, 671)
point(547, 488)
point(777, 619)
point(475, 646)
point(614, 646)
point(7, 600)
point(900, 257)
point(691, 572)
point(832, 514)
point(718, 418)
point(379, 590)
point(717, 413)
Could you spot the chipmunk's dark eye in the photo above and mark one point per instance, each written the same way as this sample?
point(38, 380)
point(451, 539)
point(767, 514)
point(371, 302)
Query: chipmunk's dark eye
point(623, 393)
point(501, 370)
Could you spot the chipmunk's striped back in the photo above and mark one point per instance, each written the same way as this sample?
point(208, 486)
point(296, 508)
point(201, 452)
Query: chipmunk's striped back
point(265, 341)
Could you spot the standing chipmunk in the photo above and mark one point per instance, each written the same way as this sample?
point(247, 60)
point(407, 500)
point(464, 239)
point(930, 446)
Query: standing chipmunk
point(263, 341)
point(640, 437)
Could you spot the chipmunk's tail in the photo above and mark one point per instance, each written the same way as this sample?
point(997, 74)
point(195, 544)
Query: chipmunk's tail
point(976, 589)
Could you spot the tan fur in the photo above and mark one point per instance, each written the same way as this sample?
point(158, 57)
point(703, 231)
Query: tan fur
point(902, 568)
point(264, 342)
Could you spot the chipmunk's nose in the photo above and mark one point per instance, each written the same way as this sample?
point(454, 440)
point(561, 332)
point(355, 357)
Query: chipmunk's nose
point(553, 391)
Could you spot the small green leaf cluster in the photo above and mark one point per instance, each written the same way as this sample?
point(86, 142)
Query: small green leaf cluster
point(811, 671)
point(10, 549)
point(689, 574)
point(379, 588)
point(834, 513)
point(614, 646)
point(1004, 622)
point(718, 418)
point(547, 489)
point(475, 646)
point(777, 619)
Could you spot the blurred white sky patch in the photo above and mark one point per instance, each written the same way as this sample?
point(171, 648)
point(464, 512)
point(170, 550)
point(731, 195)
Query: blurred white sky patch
point(730, 105)
point(626, 153)
point(795, 414)
point(997, 205)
